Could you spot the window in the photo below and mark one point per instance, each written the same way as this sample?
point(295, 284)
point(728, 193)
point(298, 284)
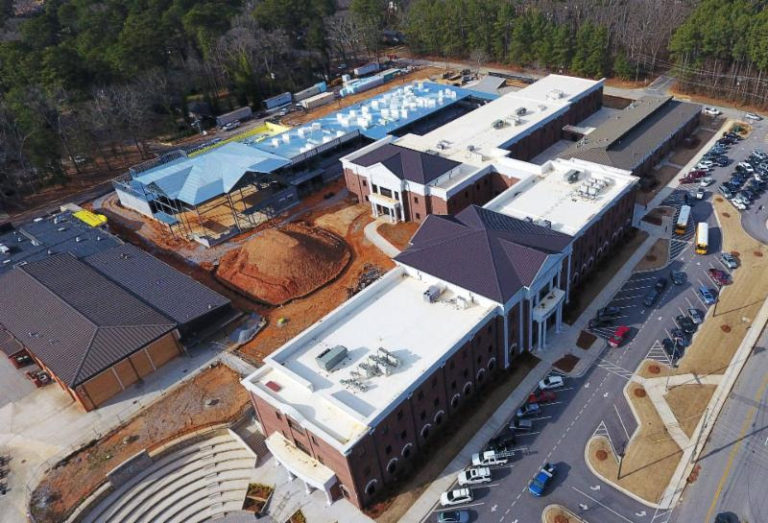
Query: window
point(479, 359)
point(301, 447)
point(436, 402)
point(423, 415)
point(388, 450)
point(366, 198)
point(466, 373)
point(278, 416)
point(365, 184)
point(312, 437)
point(420, 395)
point(295, 426)
point(453, 385)
point(418, 216)
point(400, 414)
point(415, 199)
point(320, 459)
point(392, 466)
point(490, 349)
point(452, 365)
point(370, 488)
point(367, 471)
point(385, 430)
point(466, 194)
point(434, 382)
point(404, 434)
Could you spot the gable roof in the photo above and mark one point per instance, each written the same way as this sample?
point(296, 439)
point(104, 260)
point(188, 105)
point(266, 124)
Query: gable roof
point(483, 251)
point(408, 164)
point(628, 138)
point(74, 319)
point(171, 292)
point(198, 179)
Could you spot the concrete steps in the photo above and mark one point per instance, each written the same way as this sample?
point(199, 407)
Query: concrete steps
point(206, 478)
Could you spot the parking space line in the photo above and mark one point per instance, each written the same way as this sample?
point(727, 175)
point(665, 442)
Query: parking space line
point(601, 504)
point(468, 505)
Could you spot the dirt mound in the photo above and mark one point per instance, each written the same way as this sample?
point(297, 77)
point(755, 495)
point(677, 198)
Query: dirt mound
point(279, 265)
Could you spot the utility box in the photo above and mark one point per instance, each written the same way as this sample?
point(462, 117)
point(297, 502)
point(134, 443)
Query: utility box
point(330, 358)
point(433, 293)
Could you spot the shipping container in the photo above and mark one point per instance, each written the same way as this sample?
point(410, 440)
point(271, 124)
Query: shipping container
point(279, 100)
point(241, 114)
point(389, 74)
point(366, 69)
point(358, 86)
point(309, 92)
point(317, 101)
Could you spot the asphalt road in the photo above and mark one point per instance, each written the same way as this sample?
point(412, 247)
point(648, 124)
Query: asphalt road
point(595, 404)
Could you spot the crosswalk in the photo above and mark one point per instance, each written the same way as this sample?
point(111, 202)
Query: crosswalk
point(614, 369)
point(657, 353)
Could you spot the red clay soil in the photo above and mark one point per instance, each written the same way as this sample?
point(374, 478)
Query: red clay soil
point(399, 234)
point(640, 392)
point(601, 455)
point(566, 363)
point(280, 265)
point(180, 412)
point(302, 312)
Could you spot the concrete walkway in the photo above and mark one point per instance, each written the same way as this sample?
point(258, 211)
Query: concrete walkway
point(372, 234)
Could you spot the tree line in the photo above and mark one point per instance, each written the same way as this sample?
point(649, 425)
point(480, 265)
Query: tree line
point(87, 78)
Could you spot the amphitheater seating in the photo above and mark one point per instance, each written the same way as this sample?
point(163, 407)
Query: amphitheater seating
point(203, 480)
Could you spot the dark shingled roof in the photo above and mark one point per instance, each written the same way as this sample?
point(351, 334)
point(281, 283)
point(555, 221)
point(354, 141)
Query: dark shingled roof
point(483, 251)
point(174, 294)
point(407, 164)
point(627, 139)
point(74, 319)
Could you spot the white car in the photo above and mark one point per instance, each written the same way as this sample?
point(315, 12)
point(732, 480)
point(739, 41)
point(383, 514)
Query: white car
point(700, 194)
point(551, 382)
point(703, 166)
point(231, 125)
point(706, 182)
point(753, 116)
point(456, 497)
point(739, 204)
point(711, 111)
point(475, 476)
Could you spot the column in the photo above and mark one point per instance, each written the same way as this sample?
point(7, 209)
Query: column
point(328, 497)
point(291, 476)
point(374, 209)
point(559, 317)
point(543, 330)
point(307, 488)
point(568, 278)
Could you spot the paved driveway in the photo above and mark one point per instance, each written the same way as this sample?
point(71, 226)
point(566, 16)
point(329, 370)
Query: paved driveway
point(14, 384)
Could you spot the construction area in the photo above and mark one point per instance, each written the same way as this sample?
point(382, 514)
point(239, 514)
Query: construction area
point(278, 265)
point(686, 392)
point(185, 408)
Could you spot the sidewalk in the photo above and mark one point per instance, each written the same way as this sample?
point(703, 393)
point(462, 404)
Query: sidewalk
point(561, 344)
point(372, 234)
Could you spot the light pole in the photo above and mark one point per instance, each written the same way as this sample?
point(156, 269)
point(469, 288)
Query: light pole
point(621, 458)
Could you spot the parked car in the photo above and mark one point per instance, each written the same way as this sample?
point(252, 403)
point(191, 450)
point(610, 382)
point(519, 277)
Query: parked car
point(608, 312)
point(685, 323)
point(753, 116)
point(711, 111)
point(700, 193)
point(672, 349)
point(708, 295)
point(553, 381)
point(521, 425)
point(651, 297)
point(678, 277)
point(453, 516)
point(680, 337)
point(475, 476)
point(706, 182)
point(696, 316)
point(619, 336)
point(528, 409)
point(542, 396)
point(456, 497)
point(729, 260)
point(596, 323)
point(538, 484)
point(231, 125)
point(661, 284)
point(502, 442)
point(719, 277)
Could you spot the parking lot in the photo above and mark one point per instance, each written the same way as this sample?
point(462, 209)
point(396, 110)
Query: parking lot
point(595, 404)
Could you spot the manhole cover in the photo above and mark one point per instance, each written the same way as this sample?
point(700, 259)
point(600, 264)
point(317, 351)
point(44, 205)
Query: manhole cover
point(640, 392)
point(758, 254)
point(601, 455)
point(654, 369)
point(727, 215)
point(725, 328)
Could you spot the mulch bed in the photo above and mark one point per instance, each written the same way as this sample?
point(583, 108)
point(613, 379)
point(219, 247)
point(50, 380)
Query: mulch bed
point(640, 393)
point(725, 328)
point(567, 363)
point(654, 369)
point(601, 455)
point(586, 339)
point(726, 215)
point(758, 254)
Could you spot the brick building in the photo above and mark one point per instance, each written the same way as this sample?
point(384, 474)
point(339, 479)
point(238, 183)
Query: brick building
point(457, 164)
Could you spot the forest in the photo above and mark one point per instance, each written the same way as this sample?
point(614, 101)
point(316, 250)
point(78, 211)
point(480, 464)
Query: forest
point(88, 78)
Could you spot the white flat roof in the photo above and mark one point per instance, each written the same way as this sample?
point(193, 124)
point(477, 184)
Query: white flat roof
point(478, 137)
point(391, 314)
point(548, 194)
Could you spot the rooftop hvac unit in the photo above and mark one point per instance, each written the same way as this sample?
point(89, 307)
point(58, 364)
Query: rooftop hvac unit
point(329, 359)
point(572, 176)
point(521, 111)
point(498, 124)
point(432, 294)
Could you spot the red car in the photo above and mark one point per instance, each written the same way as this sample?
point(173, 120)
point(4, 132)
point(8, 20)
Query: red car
point(619, 336)
point(542, 396)
point(696, 174)
point(719, 277)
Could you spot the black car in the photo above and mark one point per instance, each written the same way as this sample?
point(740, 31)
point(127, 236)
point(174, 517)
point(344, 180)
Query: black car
point(722, 161)
point(678, 277)
point(651, 297)
point(672, 349)
point(661, 284)
point(608, 312)
point(686, 324)
point(596, 323)
point(501, 443)
point(681, 338)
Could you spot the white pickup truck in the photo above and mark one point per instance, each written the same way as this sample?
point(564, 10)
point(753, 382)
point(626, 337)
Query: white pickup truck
point(474, 476)
point(491, 457)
